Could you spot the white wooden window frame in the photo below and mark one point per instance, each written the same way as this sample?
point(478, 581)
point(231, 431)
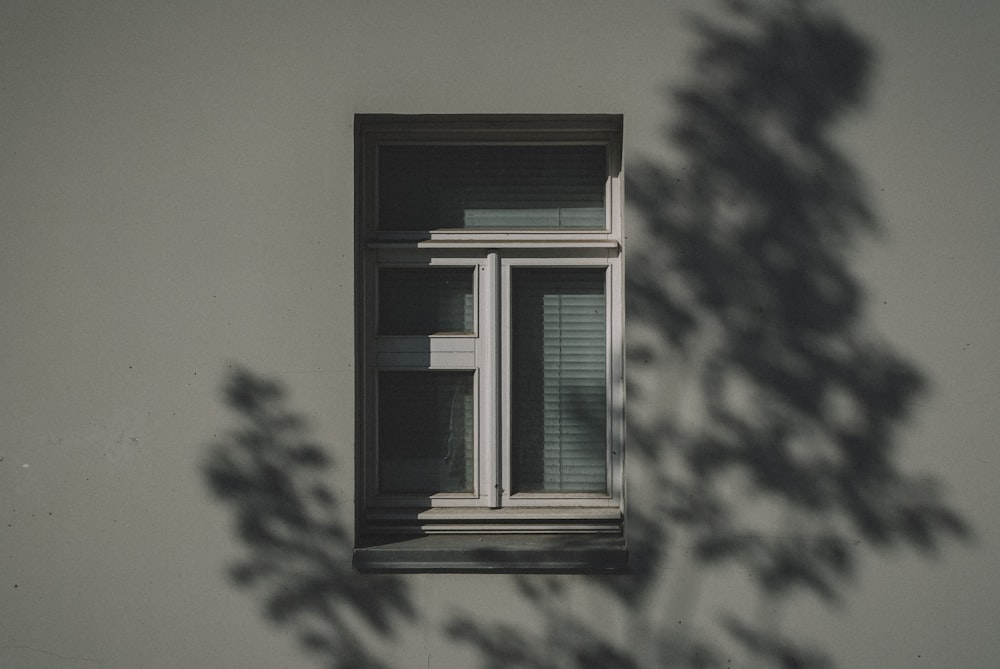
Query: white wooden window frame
point(493, 255)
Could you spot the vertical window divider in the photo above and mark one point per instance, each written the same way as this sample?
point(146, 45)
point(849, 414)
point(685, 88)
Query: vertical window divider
point(610, 383)
point(616, 375)
point(492, 408)
point(504, 342)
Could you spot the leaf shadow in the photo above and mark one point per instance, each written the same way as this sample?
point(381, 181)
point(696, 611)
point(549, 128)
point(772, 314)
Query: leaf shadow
point(764, 414)
point(276, 479)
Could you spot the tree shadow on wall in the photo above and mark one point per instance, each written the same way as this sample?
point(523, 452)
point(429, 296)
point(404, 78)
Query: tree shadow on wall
point(762, 411)
point(275, 478)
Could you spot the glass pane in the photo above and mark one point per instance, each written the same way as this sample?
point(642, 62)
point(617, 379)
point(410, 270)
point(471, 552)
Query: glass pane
point(425, 432)
point(559, 379)
point(432, 187)
point(425, 300)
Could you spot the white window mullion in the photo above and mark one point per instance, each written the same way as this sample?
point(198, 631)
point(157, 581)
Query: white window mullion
point(491, 406)
point(505, 371)
point(616, 378)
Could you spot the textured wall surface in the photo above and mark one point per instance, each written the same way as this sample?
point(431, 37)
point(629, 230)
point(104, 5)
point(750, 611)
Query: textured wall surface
point(176, 197)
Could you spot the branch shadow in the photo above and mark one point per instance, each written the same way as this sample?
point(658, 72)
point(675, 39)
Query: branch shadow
point(275, 479)
point(773, 447)
point(763, 413)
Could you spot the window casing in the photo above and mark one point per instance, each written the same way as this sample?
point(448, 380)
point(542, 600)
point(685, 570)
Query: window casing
point(489, 329)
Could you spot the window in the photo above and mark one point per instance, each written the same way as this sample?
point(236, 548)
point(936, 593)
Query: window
point(489, 334)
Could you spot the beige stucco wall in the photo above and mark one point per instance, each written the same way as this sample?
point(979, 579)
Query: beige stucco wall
point(176, 194)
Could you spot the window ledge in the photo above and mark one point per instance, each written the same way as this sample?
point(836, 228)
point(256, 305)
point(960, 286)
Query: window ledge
point(503, 553)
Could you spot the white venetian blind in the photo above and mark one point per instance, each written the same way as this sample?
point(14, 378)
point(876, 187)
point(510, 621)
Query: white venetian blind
point(559, 380)
point(441, 186)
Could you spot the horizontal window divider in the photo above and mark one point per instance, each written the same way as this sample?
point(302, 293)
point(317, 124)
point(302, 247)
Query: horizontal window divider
point(497, 243)
point(451, 126)
point(481, 528)
point(429, 360)
point(521, 513)
point(456, 343)
point(543, 499)
point(388, 502)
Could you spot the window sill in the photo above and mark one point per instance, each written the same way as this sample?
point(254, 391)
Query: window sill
point(499, 553)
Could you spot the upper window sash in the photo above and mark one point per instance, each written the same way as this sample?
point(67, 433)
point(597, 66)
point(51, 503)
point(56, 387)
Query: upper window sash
point(475, 180)
point(491, 187)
